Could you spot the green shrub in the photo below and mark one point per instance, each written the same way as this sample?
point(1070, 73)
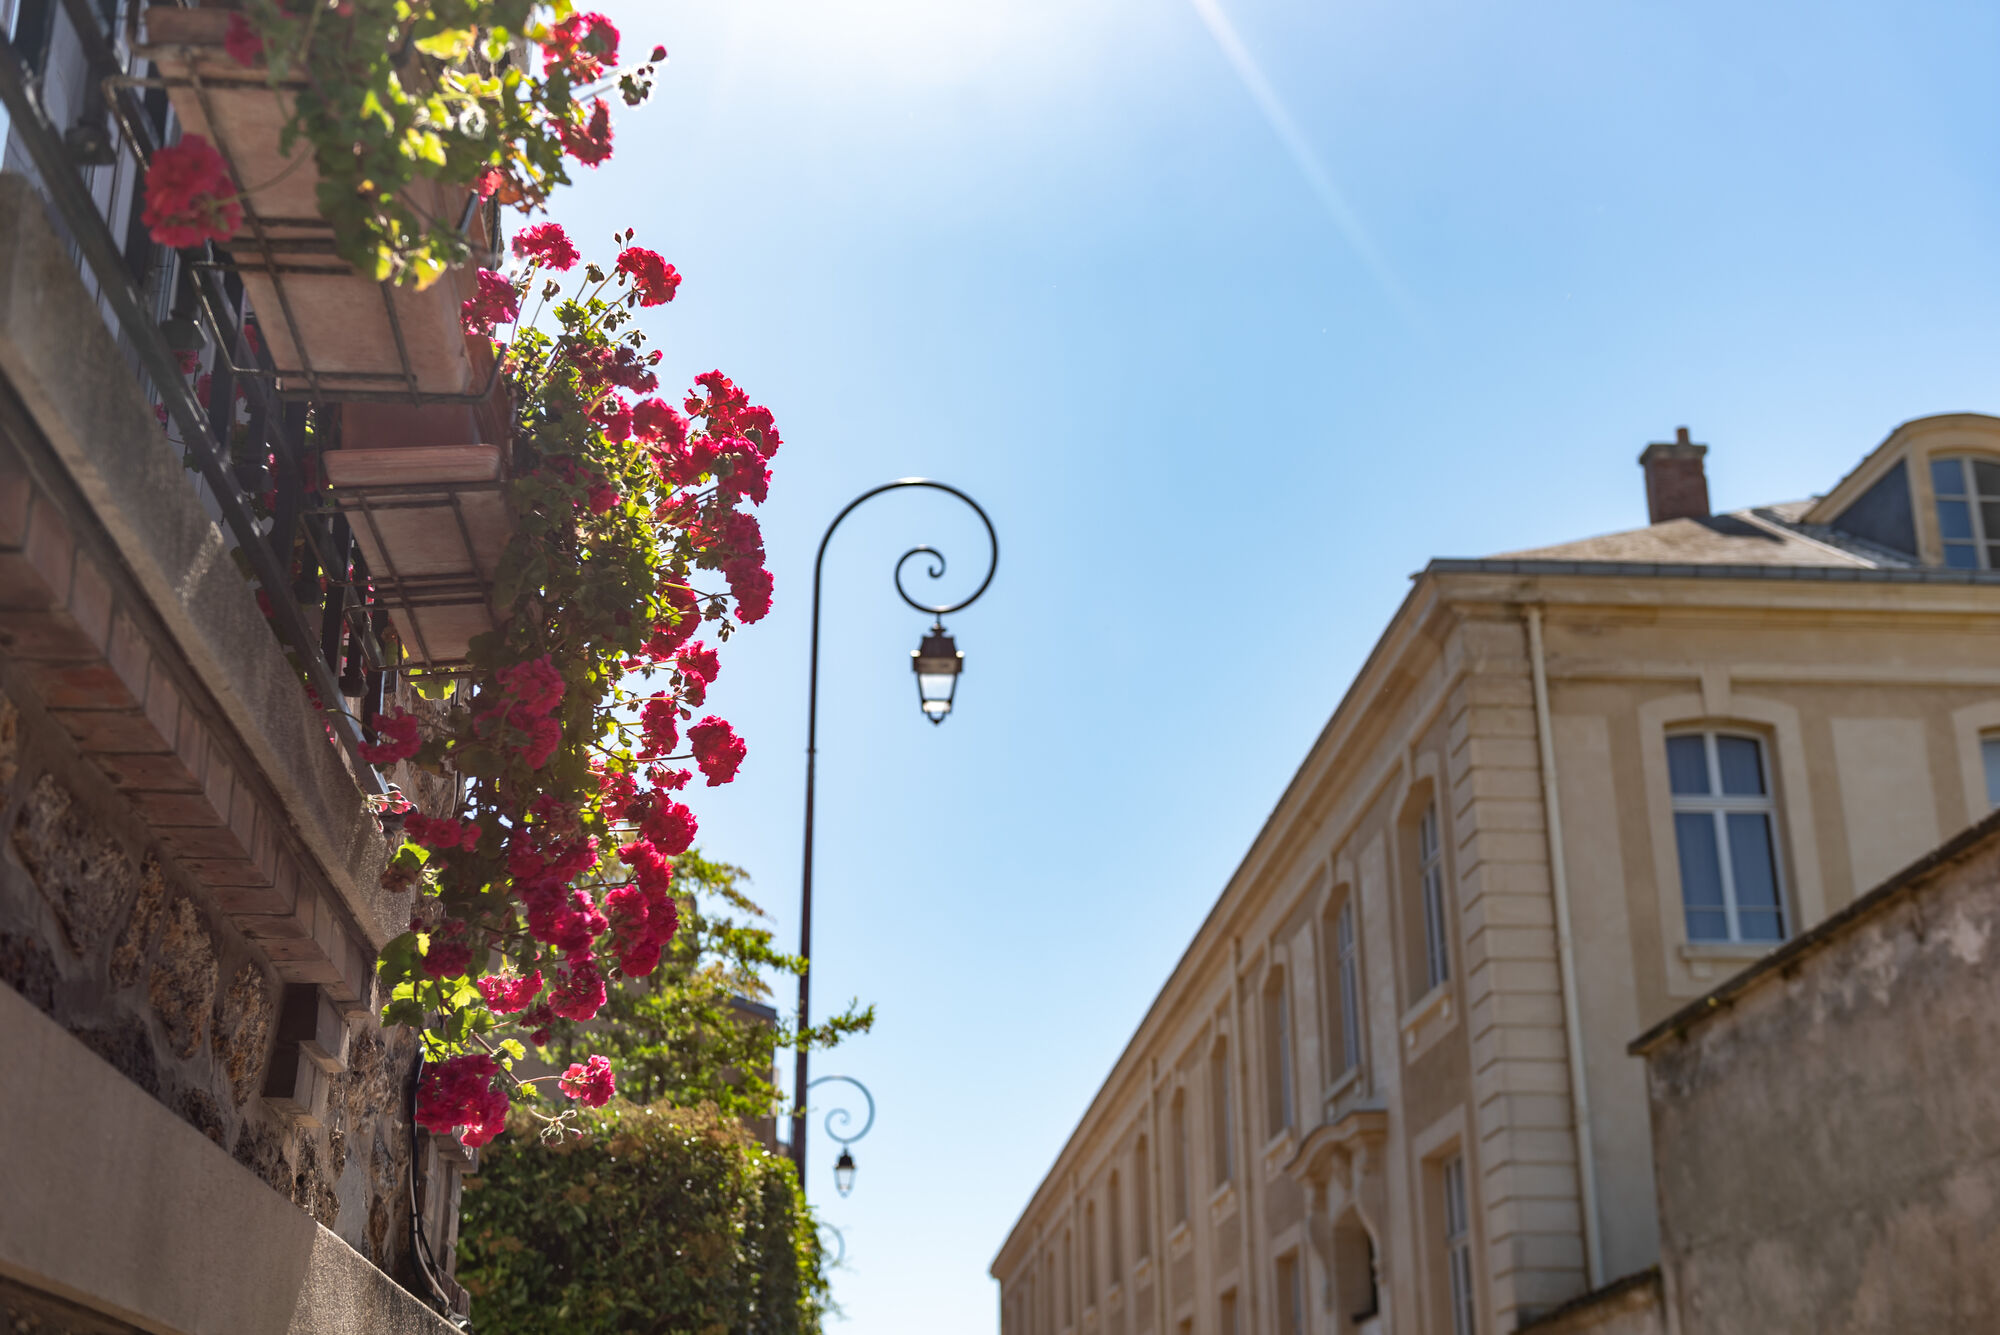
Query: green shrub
point(658, 1219)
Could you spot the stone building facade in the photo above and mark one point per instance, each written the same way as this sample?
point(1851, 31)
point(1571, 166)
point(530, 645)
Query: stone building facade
point(1387, 1088)
point(205, 1128)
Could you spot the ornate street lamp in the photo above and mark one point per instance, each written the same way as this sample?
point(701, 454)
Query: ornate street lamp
point(937, 663)
point(843, 1168)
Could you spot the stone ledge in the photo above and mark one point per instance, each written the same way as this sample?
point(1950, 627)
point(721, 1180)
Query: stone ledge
point(124, 1208)
point(82, 395)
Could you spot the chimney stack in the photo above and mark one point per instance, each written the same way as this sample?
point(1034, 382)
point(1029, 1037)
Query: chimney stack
point(1676, 483)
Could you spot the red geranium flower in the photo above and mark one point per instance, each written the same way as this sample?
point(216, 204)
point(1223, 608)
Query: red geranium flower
point(243, 42)
point(496, 303)
point(189, 196)
point(653, 278)
point(583, 44)
point(547, 245)
point(717, 749)
point(588, 141)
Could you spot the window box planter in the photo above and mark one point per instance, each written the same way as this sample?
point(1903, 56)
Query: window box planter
point(432, 522)
point(332, 332)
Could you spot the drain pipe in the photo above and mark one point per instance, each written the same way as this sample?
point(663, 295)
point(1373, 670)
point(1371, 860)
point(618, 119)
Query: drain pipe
point(1579, 1089)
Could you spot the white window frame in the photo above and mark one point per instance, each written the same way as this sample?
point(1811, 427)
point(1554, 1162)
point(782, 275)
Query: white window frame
point(1971, 496)
point(1458, 1247)
point(1347, 956)
point(1719, 807)
point(1430, 871)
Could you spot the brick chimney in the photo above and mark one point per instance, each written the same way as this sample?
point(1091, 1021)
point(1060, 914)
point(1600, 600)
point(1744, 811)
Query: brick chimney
point(1676, 483)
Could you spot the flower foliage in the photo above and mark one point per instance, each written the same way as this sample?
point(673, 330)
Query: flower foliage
point(391, 94)
point(555, 876)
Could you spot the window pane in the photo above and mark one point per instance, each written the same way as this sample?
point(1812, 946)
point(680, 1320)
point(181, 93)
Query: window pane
point(1687, 765)
point(1954, 519)
point(1756, 876)
point(1762, 925)
point(1701, 876)
point(1947, 477)
point(1961, 556)
point(1989, 751)
point(1986, 477)
point(1742, 768)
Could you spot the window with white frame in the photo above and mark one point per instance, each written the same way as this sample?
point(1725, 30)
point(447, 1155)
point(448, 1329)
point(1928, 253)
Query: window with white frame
point(1989, 755)
point(1347, 960)
point(1725, 830)
point(1430, 865)
point(1968, 511)
point(1277, 1053)
point(1458, 1248)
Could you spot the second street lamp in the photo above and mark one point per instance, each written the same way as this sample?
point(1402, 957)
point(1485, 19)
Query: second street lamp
point(937, 664)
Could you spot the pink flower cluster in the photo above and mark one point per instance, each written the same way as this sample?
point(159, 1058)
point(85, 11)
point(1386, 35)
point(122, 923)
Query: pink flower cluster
point(653, 278)
point(397, 739)
point(583, 46)
point(495, 302)
point(189, 195)
point(463, 1092)
point(717, 749)
point(547, 245)
point(528, 696)
point(590, 1085)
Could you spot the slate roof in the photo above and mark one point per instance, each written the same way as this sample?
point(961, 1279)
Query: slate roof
point(1762, 535)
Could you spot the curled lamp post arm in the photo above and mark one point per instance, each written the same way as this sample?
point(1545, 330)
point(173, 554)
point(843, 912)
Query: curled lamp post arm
point(935, 571)
point(842, 1113)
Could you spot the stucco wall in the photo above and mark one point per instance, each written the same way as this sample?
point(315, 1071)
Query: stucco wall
point(1827, 1132)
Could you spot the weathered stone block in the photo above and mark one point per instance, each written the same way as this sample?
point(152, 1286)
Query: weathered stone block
point(83, 873)
point(243, 1031)
point(184, 979)
point(135, 943)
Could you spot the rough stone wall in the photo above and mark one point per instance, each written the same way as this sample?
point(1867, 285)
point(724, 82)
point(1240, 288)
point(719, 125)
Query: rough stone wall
point(1827, 1137)
point(107, 935)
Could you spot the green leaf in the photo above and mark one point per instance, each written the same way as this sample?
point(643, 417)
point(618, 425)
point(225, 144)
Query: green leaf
point(451, 45)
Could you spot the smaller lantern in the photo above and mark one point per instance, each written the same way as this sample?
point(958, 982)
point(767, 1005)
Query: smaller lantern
point(843, 1172)
point(937, 666)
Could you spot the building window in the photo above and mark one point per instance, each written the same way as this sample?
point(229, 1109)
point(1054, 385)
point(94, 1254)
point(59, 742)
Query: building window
point(1069, 1278)
point(1458, 1248)
point(1291, 1296)
point(1090, 1253)
point(1181, 1156)
point(1277, 1053)
point(1724, 830)
point(1349, 986)
point(1968, 511)
point(1227, 1324)
point(1221, 1114)
point(1142, 1214)
point(1430, 866)
point(1989, 752)
point(1114, 1209)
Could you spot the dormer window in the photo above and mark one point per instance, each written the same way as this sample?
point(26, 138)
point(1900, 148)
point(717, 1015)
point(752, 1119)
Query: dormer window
point(1968, 511)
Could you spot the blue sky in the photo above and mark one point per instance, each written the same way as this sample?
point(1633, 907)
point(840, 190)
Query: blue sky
point(1230, 334)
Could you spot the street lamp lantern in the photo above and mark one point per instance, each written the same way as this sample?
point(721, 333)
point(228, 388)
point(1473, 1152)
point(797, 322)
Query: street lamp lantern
point(937, 666)
point(843, 1173)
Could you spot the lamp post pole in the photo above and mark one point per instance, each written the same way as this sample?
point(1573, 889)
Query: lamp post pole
point(936, 570)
